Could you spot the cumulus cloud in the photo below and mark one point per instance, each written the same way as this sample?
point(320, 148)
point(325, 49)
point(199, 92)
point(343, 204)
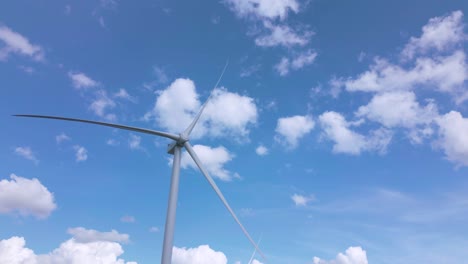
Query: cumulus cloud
point(81, 153)
point(440, 34)
point(261, 150)
point(298, 62)
point(14, 251)
point(291, 129)
point(398, 108)
point(453, 131)
point(25, 197)
point(263, 9)
point(83, 235)
point(62, 137)
point(26, 153)
point(444, 70)
point(200, 255)
point(238, 112)
point(353, 255)
point(301, 200)
point(213, 159)
point(177, 105)
point(336, 128)
point(16, 43)
point(74, 252)
point(81, 80)
point(282, 35)
point(434, 61)
point(445, 74)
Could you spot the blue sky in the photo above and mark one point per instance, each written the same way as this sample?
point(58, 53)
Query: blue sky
point(338, 133)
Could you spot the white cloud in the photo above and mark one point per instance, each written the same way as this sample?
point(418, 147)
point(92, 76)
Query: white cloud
point(453, 131)
point(68, 9)
point(25, 197)
point(238, 112)
point(102, 22)
point(123, 94)
point(62, 137)
point(248, 71)
point(446, 74)
point(27, 69)
point(154, 229)
point(112, 142)
point(441, 33)
point(335, 87)
point(26, 153)
point(81, 153)
point(398, 108)
point(83, 235)
point(282, 35)
point(101, 104)
point(174, 112)
point(213, 159)
point(353, 255)
point(128, 219)
point(109, 4)
point(134, 142)
point(176, 105)
point(13, 251)
point(74, 252)
point(301, 200)
point(291, 129)
point(444, 70)
point(161, 76)
point(336, 128)
point(298, 62)
point(16, 43)
point(263, 9)
point(200, 255)
point(81, 80)
point(282, 67)
point(261, 150)
point(256, 262)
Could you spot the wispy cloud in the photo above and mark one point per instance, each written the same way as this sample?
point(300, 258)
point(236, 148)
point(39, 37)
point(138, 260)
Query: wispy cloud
point(81, 153)
point(261, 150)
point(61, 138)
point(128, 219)
point(27, 153)
point(15, 43)
point(302, 200)
point(81, 80)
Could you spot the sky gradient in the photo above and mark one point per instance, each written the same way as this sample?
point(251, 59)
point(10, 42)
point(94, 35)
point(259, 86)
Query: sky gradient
point(338, 133)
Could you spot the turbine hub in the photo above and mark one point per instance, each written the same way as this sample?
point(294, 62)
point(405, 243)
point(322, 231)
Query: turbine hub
point(177, 143)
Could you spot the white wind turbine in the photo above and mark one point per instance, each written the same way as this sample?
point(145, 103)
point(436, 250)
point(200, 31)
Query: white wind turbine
point(175, 148)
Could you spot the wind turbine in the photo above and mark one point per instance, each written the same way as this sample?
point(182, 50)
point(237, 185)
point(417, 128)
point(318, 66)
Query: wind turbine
point(179, 142)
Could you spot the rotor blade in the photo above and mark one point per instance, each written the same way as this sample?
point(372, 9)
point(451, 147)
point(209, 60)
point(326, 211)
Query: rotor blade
point(136, 129)
point(189, 129)
point(255, 250)
point(218, 192)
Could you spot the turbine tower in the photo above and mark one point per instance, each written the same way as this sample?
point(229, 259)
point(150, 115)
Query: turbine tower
point(179, 142)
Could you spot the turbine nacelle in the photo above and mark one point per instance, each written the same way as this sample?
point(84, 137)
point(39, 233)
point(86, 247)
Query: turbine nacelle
point(179, 142)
